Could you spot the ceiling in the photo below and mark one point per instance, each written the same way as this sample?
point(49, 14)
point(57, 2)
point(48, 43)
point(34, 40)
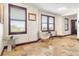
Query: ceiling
point(57, 8)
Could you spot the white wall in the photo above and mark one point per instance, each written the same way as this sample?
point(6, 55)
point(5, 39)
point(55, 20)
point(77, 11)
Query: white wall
point(78, 23)
point(1, 28)
point(33, 27)
point(1, 38)
point(59, 26)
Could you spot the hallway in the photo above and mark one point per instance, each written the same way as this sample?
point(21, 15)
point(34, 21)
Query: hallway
point(58, 46)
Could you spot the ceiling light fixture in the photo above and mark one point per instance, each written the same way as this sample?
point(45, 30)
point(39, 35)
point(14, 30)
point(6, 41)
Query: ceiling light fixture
point(61, 9)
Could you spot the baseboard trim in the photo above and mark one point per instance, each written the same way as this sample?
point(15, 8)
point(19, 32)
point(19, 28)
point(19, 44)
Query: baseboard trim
point(27, 43)
point(20, 44)
point(62, 35)
point(68, 35)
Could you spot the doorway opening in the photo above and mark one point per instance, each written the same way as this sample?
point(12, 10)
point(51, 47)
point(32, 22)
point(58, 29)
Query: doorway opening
point(73, 27)
point(72, 24)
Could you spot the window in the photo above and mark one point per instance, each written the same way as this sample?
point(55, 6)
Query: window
point(51, 23)
point(44, 23)
point(66, 24)
point(17, 19)
point(48, 23)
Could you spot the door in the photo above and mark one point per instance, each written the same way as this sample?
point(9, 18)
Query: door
point(73, 27)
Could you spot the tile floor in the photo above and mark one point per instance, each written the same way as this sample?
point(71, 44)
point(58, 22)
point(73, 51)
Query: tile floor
point(56, 46)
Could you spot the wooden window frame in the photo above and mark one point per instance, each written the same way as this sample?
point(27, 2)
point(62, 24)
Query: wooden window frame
point(9, 11)
point(48, 23)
